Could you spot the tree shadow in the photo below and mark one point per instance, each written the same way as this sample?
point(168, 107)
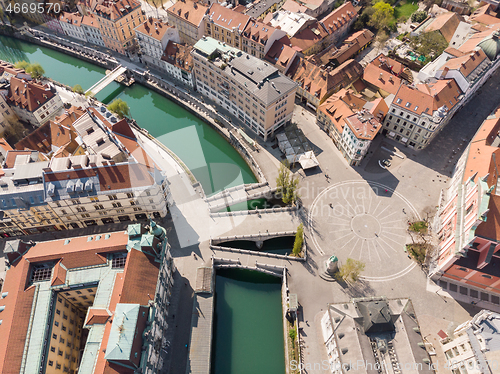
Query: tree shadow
point(361, 288)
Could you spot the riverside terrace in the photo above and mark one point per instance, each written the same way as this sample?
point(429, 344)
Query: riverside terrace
point(65, 296)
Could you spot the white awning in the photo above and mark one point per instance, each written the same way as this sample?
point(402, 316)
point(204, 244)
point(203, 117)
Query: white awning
point(404, 140)
point(392, 134)
point(308, 160)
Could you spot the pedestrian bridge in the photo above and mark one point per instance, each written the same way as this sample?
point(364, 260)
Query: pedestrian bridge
point(119, 70)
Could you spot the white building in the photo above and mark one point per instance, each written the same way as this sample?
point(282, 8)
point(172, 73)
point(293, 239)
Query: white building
point(71, 23)
point(178, 63)
point(90, 26)
point(32, 102)
point(153, 37)
point(474, 346)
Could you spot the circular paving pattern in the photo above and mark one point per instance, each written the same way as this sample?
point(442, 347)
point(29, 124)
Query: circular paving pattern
point(365, 221)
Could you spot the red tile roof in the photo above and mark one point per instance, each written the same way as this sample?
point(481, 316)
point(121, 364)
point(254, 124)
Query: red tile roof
point(337, 110)
point(281, 53)
point(427, 98)
point(228, 18)
point(465, 64)
point(98, 316)
point(446, 24)
point(190, 11)
point(154, 28)
point(58, 275)
point(339, 17)
point(308, 37)
point(363, 125)
point(388, 64)
point(28, 95)
point(258, 31)
point(382, 79)
point(294, 7)
point(113, 9)
point(178, 55)
point(141, 276)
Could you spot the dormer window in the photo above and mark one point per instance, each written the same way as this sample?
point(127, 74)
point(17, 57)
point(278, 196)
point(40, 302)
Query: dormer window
point(398, 101)
point(408, 105)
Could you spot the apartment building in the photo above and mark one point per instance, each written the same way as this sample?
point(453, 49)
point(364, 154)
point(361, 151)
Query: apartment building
point(467, 261)
point(315, 84)
point(153, 37)
point(226, 25)
point(91, 304)
point(178, 63)
point(91, 28)
point(104, 177)
point(339, 22)
point(33, 102)
point(7, 115)
point(71, 23)
point(117, 21)
point(257, 38)
point(188, 18)
point(281, 54)
point(251, 89)
point(473, 347)
point(351, 122)
point(417, 114)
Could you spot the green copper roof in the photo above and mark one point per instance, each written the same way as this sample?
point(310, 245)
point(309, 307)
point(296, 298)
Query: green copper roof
point(121, 336)
point(491, 45)
point(333, 259)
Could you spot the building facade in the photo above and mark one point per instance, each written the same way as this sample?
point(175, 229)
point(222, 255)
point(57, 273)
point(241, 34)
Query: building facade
point(90, 26)
point(99, 303)
point(188, 18)
point(117, 21)
point(153, 37)
point(178, 63)
point(418, 114)
point(32, 102)
point(71, 24)
point(225, 25)
point(251, 89)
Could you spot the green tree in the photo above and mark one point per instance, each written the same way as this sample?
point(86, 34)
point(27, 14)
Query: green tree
point(429, 44)
point(419, 16)
point(78, 89)
point(299, 240)
point(89, 94)
point(350, 271)
point(22, 65)
point(119, 107)
point(35, 70)
point(292, 333)
point(287, 185)
point(383, 15)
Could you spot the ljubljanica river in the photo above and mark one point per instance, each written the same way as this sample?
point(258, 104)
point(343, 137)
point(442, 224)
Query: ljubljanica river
point(248, 326)
point(213, 161)
point(248, 330)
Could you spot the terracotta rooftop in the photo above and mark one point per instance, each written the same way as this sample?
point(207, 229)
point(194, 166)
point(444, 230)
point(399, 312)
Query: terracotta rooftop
point(178, 55)
point(311, 78)
point(381, 78)
point(485, 15)
point(154, 28)
point(454, 52)
point(190, 11)
point(465, 64)
point(446, 24)
point(281, 53)
point(294, 7)
point(258, 31)
point(427, 98)
point(339, 17)
point(72, 18)
point(10, 159)
point(388, 64)
point(312, 34)
point(90, 20)
point(363, 125)
point(228, 18)
point(57, 133)
point(337, 111)
point(491, 227)
point(28, 94)
point(471, 43)
point(115, 10)
point(95, 315)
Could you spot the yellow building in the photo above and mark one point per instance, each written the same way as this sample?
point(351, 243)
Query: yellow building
point(226, 25)
point(117, 21)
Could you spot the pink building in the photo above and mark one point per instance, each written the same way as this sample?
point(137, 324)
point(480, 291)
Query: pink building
point(468, 223)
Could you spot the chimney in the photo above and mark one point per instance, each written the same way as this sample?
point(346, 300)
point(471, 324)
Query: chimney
point(381, 75)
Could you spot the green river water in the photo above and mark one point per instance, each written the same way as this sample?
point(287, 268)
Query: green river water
point(248, 327)
point(213, 161)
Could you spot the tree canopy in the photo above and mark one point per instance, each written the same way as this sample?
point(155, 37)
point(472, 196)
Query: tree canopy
point(351, 270)
point(78, 89)
point(429, 44)
point(382, 16)
point(419, 16)
point(287, 185)
point(119, 107)
point(34, 69)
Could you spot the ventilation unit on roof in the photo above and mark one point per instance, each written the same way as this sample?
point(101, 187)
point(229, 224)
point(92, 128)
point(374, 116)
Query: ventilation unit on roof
point(79, 186)
point(113, 120)
point(108, 114)
point(103, 109)
point(70, 187)
point(51, 189)
point(89, 185)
